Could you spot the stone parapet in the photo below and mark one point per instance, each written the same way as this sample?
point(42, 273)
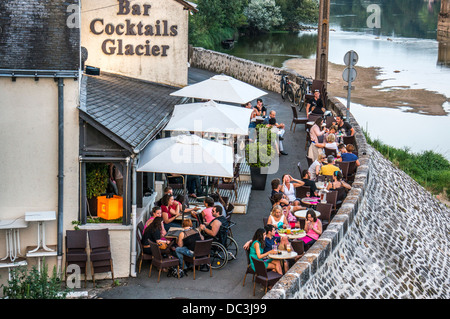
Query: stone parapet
point(266, 77)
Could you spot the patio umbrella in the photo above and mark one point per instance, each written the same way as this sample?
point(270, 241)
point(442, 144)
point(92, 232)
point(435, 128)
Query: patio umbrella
point(210, 117)
point(221, 88)
point(187, 155)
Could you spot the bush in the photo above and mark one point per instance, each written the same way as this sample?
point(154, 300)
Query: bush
point(429, 169)
point(33, 285)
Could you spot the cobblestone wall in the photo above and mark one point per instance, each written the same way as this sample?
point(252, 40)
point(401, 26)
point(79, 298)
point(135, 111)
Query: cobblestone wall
point(397, 246)
point(390, 237)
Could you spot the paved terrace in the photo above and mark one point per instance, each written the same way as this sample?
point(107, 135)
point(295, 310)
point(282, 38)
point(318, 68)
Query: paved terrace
point(226, 282)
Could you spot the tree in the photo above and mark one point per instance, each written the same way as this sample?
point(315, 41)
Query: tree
point(296, 12)
point(263, 15)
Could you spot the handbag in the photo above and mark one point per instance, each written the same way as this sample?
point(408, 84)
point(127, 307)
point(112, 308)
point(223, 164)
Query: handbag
point(162, 245)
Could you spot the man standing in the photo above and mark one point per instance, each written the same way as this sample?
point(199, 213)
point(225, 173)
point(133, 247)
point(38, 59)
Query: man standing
point(278, 128)
point(315, 105)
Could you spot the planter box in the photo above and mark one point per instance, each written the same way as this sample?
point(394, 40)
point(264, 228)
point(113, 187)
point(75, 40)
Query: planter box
point(258, 178)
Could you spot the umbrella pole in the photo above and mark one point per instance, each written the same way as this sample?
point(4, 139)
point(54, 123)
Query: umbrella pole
point(184, 195)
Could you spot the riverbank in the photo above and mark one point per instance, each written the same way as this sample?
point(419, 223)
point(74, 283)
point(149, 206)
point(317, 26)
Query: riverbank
point(368, 91)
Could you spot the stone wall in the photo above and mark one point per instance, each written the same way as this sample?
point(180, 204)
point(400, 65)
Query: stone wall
point(373, 246)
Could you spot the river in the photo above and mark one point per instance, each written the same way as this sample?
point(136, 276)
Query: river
point(405, 49)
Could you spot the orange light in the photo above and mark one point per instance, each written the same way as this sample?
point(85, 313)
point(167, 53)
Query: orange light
point(110, 208)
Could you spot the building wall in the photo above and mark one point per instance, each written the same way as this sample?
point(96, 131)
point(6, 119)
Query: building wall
point(161, 57)
point(29, 156)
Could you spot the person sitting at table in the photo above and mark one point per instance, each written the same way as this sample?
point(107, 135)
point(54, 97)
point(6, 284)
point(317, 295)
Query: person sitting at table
point(207, 215)
point(329, 168)
point(276, 189)
point(347, 154)
point(288, 186)
point(156, 212)
point(217, 228)
point(344, 126)
point(155, 232)
point(314, 168)
point(331, 143)
point(167, 190)
point(315, 104)
point(306, 178)
point(170, 210)
point(278, 128)
point(313, 229)
point(186, 243)
point(339, 185)
point(277, 218)
point(257, 251)
point(260, 109)
point(316, 130)
point(184, 207)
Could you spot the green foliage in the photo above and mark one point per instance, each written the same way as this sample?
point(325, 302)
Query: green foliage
point(260, 152)
point(263, 15)
point(34, 285)
point(429, 169)
point(215, 21)
point(96, 179)
point(296, 12)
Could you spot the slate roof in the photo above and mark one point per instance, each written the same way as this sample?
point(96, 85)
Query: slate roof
point(34, 35)
point(131, 109)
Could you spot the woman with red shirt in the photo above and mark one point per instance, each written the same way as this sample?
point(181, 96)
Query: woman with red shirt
point(170, 210)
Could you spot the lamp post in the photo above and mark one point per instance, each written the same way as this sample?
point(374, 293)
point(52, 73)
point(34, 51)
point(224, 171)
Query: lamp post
point(322, 42)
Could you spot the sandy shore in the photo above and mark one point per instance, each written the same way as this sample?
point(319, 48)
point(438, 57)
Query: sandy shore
point(418, 100)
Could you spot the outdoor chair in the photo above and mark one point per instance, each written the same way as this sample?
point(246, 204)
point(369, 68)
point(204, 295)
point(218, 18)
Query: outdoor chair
point(264, 277)
point(343, 166)
point(299, 166)
point(176, 185)
point(299, 247)
point(249, 269)
point(309, 160)
point(308, 140)
point(349, 140)
point(161, 262)
point(202, 251)
point(297, 120)
point(76, 244)
point(142, 255)
point(313, 117)
point(231, 185)
point(330, 151)
point(300, 192)
point(140, 227)
point(332, 199)
point(329, 121)
point(318, 85)
point(351, 172)
point(325, 213)
point(100, 254)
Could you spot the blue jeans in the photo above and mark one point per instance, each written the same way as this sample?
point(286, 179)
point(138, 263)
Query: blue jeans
point(183, 251)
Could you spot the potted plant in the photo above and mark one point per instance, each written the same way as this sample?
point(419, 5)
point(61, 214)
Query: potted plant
point(259, 154)
point(96, 184)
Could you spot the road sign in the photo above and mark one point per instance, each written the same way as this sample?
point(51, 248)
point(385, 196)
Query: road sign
point(351, 59)
point(349, 74)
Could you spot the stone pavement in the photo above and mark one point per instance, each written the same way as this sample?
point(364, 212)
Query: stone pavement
point(225, 283)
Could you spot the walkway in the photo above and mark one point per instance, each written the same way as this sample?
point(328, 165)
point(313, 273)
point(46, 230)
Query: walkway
point(227, 282)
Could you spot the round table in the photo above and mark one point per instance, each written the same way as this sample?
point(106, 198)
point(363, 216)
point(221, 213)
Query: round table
point(284, 255)
point(311, 201)
point(302, 213)
point(293, 236)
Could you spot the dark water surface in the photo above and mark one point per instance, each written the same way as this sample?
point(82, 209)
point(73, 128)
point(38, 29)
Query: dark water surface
point(405, 41)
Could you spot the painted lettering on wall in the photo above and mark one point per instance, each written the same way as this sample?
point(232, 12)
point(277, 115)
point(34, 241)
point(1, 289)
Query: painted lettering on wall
point(111, 46)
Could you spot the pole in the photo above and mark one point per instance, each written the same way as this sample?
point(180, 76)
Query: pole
point(349, 89)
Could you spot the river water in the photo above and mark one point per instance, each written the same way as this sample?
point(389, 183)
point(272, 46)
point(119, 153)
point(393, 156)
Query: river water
point(406, 41)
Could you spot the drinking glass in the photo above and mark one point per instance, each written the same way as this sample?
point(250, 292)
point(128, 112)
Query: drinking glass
point(274, 247)
point(288, 248)
point(308, 194)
